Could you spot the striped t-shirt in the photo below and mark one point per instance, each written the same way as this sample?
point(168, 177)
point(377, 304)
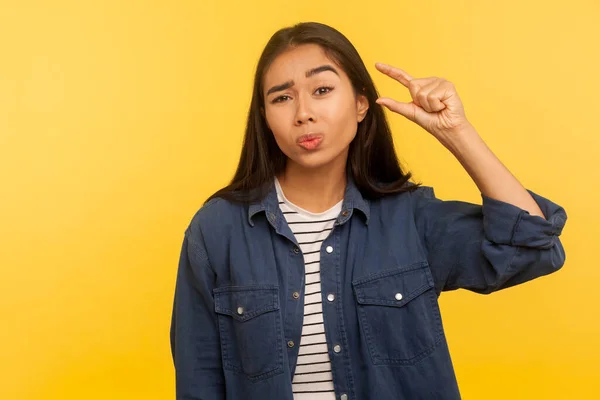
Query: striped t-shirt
point(312, 379)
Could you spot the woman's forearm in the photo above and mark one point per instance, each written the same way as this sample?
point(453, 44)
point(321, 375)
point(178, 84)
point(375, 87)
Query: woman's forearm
point(489, 174)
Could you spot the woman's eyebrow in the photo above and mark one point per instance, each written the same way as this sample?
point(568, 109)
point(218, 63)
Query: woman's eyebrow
point(309, 73)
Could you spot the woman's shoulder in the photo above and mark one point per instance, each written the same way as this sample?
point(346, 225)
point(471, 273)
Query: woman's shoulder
point(215, 213)
point(411, 193)
point(400, 204)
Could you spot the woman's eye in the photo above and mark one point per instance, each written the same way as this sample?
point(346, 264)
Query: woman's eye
point(278, 99)
point(324, 89)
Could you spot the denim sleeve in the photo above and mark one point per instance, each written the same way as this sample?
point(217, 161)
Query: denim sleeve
point(488, 247)
point(195, 346)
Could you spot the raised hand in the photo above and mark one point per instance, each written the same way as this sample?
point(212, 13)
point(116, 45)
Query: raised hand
point(436, 106)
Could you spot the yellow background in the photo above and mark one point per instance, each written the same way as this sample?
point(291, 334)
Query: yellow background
point(118, 118)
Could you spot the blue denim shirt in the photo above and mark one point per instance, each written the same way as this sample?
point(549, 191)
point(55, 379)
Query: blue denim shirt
point(234, 313)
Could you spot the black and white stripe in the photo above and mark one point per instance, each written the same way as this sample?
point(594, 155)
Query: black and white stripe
point(313, 377)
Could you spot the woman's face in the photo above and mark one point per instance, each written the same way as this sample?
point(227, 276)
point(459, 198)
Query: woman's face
point(305, 93)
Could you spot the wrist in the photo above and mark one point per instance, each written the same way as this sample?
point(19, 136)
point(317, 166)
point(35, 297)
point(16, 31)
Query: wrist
point(461, 139)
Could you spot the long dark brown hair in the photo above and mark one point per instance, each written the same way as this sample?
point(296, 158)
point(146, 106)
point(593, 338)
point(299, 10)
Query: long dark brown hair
point(372, 159)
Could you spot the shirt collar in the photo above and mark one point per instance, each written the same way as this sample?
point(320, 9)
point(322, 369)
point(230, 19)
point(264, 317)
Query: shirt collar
point(353, 199)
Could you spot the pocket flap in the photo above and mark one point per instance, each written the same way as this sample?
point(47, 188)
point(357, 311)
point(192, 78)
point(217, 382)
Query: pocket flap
point(246, 302)
point(394, 287)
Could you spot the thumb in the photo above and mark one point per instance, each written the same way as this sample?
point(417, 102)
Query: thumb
point(408, 110)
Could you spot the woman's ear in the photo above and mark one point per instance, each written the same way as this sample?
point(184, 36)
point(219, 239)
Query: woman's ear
point(362, 106)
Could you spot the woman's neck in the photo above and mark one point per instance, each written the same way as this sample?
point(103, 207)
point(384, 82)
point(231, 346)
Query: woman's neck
point(315, 190)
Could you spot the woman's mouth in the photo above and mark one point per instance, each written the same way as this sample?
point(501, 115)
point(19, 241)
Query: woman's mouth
point(310, 141)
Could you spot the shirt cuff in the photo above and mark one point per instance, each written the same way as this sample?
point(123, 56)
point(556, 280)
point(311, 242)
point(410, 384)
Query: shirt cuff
point(505, 223)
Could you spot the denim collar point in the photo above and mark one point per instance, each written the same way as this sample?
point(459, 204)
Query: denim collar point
point(353, 199)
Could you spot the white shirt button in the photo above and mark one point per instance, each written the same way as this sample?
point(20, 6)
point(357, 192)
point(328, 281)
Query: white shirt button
point(331, 297)
point(398, 296)
point(240, 310)
point(337, 348)
point(344, 396)
point(329, 249)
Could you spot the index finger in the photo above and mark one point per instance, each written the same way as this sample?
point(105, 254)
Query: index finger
point(395, 73)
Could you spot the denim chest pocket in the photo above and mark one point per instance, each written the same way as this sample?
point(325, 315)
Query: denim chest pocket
point(398, 314)
point(250, 326)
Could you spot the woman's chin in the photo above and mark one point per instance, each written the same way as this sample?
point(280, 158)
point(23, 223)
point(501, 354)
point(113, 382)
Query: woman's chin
point(315, 160)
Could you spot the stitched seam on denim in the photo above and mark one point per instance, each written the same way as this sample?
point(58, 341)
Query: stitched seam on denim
point(264, 375)
point(340, 321)
point(224, 347)
point(277, 368)
point(229, 313)
point(390, 271)
point(397, 361)
point(249, 316)
point(406, 300)
point(510, 266)
point(200, 250)
point(416, 358)
point(227, 289)
point(365, 327)
point(516, 228)
point(338, 305)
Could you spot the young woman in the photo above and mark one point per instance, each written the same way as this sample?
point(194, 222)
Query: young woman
point(315, 273)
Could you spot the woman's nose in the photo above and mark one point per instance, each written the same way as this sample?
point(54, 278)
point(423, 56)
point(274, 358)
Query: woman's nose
point(304, 112)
